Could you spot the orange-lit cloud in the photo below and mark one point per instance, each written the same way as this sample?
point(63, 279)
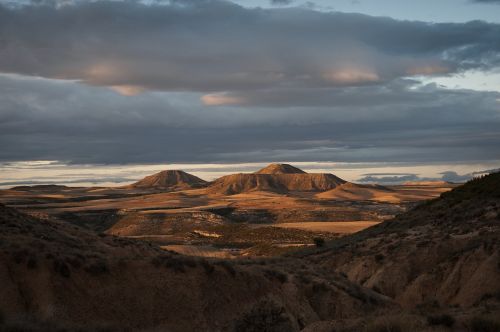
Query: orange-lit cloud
point(127, 90)
point(218, 99)
point(350, 76)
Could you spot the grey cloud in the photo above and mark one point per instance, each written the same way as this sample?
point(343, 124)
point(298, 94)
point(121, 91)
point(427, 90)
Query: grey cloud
point(487, 1)
point(32, 182)
point(451, 176)
point(389, 179)
point(219, 46)
point(398, 178)
point(44, 119)
point(280, 2)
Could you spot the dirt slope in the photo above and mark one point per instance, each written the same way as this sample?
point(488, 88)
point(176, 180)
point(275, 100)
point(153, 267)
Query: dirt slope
point(280, 169)
point(170, 179)
point(278, 178)
point(443, 252)
point(56, 275)
point(351, 191)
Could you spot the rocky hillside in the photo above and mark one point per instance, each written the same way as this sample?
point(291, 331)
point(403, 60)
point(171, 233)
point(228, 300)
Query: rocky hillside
point(280, 169)
point(170, 179)
point(55, 276)
point(444, 252)
point(274, 178)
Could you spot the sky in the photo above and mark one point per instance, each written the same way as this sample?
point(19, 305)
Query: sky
point(370, 89)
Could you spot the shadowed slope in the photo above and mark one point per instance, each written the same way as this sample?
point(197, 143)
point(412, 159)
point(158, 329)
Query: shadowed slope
point(443, 251)
point(64, 276)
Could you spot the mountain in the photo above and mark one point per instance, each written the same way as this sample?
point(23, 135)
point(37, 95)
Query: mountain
point(355, 192)
point(278, 178)
point(280, 169)
point(444, 252)
point(56, 277)
point(170, 179)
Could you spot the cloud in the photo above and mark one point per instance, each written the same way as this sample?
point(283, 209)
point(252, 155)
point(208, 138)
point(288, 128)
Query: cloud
point(280, 2)
point(46, 119)
point(398, 178)
point(220, 99)
point(451, 176)
point(388, 179)
point(211, 81)
point(33, 182)
point(215, 46)
point(487, 1)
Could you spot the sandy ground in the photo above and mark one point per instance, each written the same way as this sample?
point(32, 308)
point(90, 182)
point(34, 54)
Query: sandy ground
point(343, 227)
point(202, 251)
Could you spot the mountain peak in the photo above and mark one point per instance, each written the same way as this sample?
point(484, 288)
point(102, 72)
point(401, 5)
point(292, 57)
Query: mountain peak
point(170, 179)
point(280, 169)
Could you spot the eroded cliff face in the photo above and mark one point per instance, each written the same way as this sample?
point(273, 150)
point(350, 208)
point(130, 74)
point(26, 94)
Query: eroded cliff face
point(444, 251)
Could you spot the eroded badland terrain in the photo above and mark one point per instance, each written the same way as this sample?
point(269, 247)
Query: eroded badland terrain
point(261, 213)
point(284, 250)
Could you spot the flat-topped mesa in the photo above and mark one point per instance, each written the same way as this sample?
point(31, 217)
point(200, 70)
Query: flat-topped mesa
point(170, 179)
point(280, 169)
point(278, 178)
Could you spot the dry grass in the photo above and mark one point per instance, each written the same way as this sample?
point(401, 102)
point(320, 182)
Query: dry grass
point(339, 227)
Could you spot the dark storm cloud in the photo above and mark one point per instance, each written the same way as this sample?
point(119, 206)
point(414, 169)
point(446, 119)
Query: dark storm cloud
point(282, 84)
point(44, 119)
point(219, 46)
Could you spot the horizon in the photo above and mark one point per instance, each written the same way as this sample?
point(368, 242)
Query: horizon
point(52, 172)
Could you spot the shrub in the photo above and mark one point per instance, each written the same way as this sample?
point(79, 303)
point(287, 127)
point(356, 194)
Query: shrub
point(97, 268)
point(75, 262)
point(209, 268)
point(379, 257)
point(483, 324)
point(386, 326)
point(266, 315)
point(274, 274)
point(304, 279)
point(175, 264)
point(444, 319)
point(61, 268)
point(32, 263)
point(228, 267)
point(319, 241)
point(320, 287)
point(20, 255)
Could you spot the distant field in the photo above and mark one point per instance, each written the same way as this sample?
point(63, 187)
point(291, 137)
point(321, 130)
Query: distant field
point(202, 251)
point(343, 227)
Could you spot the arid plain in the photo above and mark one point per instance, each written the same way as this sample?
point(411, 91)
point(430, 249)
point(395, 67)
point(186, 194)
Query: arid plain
point(273, 210)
